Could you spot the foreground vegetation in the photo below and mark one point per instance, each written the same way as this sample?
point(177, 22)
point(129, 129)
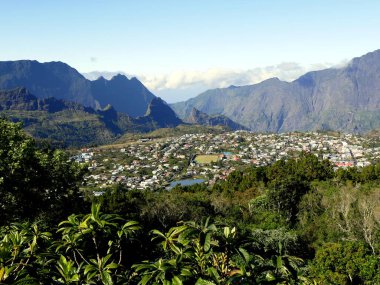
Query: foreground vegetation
point(294, 222)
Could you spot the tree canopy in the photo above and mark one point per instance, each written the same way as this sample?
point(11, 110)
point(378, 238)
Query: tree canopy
point(34, 181)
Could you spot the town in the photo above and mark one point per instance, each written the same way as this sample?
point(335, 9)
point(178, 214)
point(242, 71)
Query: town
point(194, 158)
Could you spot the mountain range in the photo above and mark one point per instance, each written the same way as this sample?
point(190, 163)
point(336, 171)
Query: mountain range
point(342, 99)
point(55, 102)
point(59, 80)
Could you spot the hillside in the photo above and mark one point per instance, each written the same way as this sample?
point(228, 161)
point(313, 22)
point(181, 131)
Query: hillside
point(200, 118)
point(72, 124)
point(343, 99)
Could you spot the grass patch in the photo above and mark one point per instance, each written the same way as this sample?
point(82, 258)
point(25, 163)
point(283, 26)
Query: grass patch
point(206, 158)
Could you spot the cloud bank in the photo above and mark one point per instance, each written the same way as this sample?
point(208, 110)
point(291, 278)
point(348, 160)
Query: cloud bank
point(182, 85)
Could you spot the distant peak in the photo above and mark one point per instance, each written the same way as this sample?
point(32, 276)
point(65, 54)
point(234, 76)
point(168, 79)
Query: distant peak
point(59, 64)
point(119, 76)
point(375, 52)
point(161, 113)
point(136, 81)
point(272, 79)
point(370, 57)
point(156, 100)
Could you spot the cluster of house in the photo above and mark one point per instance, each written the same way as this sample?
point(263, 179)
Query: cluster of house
point(153, 164)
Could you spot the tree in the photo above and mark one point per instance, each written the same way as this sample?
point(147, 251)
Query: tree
point(307, 167)
point(34, 182)
point(22, 254)
point(284, 195)
point(369, 218)
point(346, 263)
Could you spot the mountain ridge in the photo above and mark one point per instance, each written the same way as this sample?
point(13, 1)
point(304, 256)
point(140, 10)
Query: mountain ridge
point(343, 99)
point(59, 80)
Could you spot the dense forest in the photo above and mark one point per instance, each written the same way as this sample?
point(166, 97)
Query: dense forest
point(296, 221)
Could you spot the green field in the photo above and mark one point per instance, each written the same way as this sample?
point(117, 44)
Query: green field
point(206, 158)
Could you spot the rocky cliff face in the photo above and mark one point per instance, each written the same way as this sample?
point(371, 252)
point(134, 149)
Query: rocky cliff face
point(129, 96)
point(160, 115)
point(346, 99)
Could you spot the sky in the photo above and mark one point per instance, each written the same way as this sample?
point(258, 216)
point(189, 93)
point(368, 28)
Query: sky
point(180, 48)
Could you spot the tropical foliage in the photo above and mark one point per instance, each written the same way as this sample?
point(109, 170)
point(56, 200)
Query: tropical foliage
point(296, 221)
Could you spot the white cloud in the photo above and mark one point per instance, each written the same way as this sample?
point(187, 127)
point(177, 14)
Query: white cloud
point(176, 86)
point(214, 78)
point(184, 82)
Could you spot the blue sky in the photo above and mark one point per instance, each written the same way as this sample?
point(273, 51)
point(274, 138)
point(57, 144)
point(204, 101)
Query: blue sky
point(160, 40)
